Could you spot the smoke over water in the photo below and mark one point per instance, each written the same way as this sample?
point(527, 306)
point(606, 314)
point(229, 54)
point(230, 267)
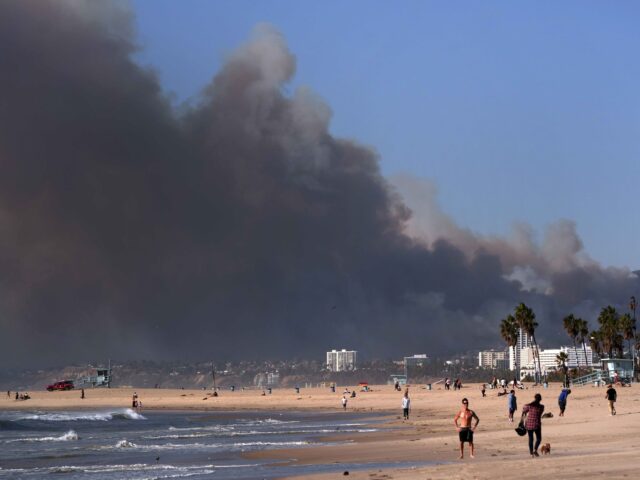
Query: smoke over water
point(240, 228)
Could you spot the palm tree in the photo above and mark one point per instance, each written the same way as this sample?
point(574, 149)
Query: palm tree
point(526, 320)
point(561, 360)
point(583, 333)
point(595, 341)
point(570, 324)
point(611, 338)
point(627, 327)
point(509, 333)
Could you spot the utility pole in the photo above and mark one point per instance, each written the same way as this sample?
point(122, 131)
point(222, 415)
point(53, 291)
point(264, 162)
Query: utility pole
point(632, 306)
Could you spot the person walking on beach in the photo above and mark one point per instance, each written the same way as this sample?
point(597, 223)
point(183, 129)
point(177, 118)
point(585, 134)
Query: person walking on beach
point(465, 428)
point(344, 402)
point(134, 401)
point(82, 394)
point(533, 423)
point(512, 404)
point(611, 396)
point(406, 404)
point(447, 384)
point(562, 400)
point(483, 389)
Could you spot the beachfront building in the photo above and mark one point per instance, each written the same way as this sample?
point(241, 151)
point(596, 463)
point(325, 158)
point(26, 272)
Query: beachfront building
point(516, 353)
point(418, 360)
point(341, 360)
point(548, 359)
point(493, 359)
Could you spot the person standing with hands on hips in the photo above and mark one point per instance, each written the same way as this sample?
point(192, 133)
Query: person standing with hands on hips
point(465, 428)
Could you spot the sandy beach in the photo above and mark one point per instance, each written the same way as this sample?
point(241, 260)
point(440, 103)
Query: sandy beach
point(587, 442)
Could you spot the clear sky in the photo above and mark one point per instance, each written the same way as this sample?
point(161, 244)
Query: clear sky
point(518, 112)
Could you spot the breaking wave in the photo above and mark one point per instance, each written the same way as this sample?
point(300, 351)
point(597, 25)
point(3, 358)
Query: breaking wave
point(124, 414)
point(69, 436)
point(202, 446)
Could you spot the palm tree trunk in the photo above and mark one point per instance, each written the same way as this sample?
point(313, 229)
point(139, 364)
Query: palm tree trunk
point(586, 361)
point(535, 345)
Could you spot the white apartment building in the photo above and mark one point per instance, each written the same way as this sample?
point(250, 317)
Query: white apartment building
point(515, 353)
point(492, 358)
point(548, 357)
point(341, 360)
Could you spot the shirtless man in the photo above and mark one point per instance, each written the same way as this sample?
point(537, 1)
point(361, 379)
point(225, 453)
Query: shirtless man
point(465, 429)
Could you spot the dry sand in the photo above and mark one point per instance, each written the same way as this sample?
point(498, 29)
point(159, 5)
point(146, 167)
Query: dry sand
point(586, 443)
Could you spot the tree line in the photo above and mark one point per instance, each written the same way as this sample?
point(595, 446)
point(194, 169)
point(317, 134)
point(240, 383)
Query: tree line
point(609, 338)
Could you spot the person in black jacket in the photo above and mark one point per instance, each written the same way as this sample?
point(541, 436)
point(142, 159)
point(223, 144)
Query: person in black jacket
point(611, 396)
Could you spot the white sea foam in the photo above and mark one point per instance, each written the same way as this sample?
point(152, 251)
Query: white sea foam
point(177, 436)
point(125, 444)
point(269, 444)
point(199, 446)
point(170, 470)
point(69, 436)
point(125, 414)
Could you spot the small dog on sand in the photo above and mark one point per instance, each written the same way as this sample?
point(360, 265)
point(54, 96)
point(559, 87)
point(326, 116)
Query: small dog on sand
point(546, 449)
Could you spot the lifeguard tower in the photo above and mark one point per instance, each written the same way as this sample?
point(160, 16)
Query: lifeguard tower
point(623, 366)
point(102, 378)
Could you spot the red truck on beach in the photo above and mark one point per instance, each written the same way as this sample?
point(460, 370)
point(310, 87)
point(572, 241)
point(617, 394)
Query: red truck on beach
point(63, 385)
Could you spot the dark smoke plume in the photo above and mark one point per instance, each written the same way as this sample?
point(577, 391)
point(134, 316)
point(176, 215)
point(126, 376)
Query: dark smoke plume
point(238, 229)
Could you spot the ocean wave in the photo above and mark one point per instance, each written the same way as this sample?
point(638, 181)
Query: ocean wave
point(267, 421)
point(69, 436)
point(125, 444)
point(270, 444)
point(124, 414)
point(178, 436)
point(171, 471)
point(199, 446)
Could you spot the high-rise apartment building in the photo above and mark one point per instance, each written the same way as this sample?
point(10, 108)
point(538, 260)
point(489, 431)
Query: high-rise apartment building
point(492, 358)
point(515, 353)
point(341, 360)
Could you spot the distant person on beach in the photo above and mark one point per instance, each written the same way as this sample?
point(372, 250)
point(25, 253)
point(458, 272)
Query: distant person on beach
point(82, 393)
point(483, 389)
point(611, 396)
point(447, 383)
point(562, 400)
point(512, 404)
point(134, 401)
point(406, 404)
point(9, 393)
point(17, 395)
point(344, 402)
point(465, 428)
point(533, 423)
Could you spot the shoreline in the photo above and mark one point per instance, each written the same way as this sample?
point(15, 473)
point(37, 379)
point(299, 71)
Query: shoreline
point(587, 442)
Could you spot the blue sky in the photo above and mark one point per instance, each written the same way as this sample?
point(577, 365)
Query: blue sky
point(518, 112)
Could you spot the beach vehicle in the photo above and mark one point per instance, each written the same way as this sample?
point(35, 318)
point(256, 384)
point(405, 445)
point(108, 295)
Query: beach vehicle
point(63, 385)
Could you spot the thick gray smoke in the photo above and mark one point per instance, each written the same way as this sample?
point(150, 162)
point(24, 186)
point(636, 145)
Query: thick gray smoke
point(239, 229)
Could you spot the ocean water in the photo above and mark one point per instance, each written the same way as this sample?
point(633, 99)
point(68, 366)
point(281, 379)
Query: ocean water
point(117, 444)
